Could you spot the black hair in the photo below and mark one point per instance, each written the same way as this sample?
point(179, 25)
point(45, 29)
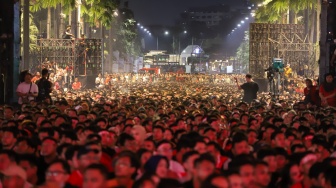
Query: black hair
point(188, 154)
point(49, 138)
point(101, 168)
point(61, 147)
point(265, 152)
point(10, 153)
point(64, 164)
point(133, 160)
point(123, 137)
point(70, 152)
point(30, 158)
point(204, 157)
point(168, 183)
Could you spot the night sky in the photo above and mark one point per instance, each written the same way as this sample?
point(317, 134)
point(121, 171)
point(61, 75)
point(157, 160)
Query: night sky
point(165, 12)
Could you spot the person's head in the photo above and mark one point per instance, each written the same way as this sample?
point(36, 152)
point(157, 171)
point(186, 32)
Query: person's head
point(216, 180)
point(262, 174)
point(291, 174)
point(45, 73)
point(188, 160)
point(307, 160)
point(329, 78)
point(127, 142)
point(316, 174)
point(29, 164)
point(240, 144)
point(309, 82)
point(149, 145)
point(95, 176)
point(204, 165)
point(58, 172)
point(27, 77)
point(278, 139)
point(126, 165)
point(269, 156)
point(25, 145)
point(165, 148)
point(48, 147)
point(143, 156)
point(9, 137)
point(200, 146)
point(8, 112)
point(86, 157)
point(214, 149)
point(158, 133)
point(248, 77)
point(7, 158)
point(244, 165)
point(14, 176)
point(157, 165)
point(235, 180)
point(139, 133)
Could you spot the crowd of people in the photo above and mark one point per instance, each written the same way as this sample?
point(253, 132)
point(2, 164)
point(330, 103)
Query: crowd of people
point(189, 131)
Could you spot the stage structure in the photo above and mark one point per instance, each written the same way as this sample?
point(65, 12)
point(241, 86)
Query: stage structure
point(285, 41)
point(78, 57)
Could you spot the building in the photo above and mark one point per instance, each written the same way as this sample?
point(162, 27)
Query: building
point(211, 15)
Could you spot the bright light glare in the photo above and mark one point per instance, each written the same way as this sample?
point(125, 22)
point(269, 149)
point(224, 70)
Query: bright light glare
point(242, 22)
point(238, 25)
point(246, 18)
point(138, 24)
point(145, 29)
point(185, 32)
point(166, 33)
point(141, 27)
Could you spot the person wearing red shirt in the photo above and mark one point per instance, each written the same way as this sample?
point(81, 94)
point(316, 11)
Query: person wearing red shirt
point(311, 93)
point(76, 85)
point(328, 91)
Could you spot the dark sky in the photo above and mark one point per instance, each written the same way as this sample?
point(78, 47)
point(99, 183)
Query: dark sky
point(165, 12)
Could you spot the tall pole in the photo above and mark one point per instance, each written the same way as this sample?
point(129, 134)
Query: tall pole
point(157, 43)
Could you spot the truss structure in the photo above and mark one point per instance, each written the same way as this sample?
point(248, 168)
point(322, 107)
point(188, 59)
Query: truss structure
point(285, 41)
point(81, 57)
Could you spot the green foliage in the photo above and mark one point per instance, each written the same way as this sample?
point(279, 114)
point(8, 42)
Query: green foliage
point(243, 53)
point(273, 11)
point(33, 32)
point(127, 42)
point(99, 12)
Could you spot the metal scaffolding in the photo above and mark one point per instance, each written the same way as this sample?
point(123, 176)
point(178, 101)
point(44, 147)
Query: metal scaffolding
point(285, 41)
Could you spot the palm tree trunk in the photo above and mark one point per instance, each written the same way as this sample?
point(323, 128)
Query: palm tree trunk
point(61, 27)
point(48, 23)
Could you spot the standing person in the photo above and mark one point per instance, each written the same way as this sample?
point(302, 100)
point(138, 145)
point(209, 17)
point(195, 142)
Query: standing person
point(44, 86)
point(26, 90)
point(250, 89)
point(311, 93)
point(99, 81)
point(328, 91)
point(76, 85)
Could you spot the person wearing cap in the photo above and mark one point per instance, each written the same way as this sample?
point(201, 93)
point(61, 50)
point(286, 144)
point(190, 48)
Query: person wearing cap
point(250, 88)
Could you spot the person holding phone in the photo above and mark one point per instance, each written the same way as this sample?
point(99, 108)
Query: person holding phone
point(250, 88)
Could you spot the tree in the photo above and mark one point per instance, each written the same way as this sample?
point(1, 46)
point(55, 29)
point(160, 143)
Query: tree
point(33, 32)
point(243, 56)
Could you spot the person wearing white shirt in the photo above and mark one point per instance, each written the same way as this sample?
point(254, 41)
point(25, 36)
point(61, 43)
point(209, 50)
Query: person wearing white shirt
point(99, 81)
point(26, 91)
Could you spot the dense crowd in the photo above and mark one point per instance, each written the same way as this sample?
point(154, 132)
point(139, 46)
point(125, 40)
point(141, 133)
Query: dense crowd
point(169, 133)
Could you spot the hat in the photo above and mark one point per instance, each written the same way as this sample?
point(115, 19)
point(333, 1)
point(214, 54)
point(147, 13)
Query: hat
point(15, 170)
